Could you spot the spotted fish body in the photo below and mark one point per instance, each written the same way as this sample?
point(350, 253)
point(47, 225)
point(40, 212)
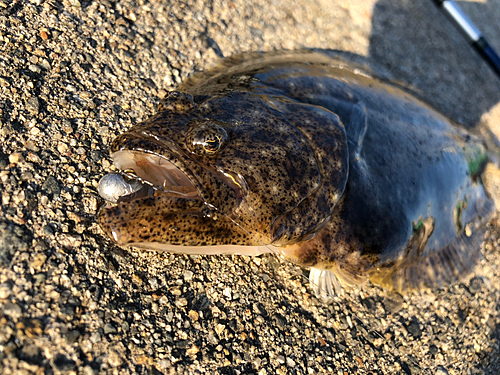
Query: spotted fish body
point(302, 155)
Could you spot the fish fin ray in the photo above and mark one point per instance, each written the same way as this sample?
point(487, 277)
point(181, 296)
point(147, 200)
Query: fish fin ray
point(324, 283)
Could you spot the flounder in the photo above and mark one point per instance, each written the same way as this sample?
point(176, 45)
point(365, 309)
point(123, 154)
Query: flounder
point(303, 155)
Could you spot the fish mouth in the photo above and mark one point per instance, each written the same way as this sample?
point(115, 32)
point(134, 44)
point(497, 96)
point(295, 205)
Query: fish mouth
point(158, 176)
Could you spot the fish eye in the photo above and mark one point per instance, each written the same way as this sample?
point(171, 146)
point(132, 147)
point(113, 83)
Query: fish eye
point(207, 139)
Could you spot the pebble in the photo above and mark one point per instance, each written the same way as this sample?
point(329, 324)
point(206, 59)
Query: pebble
point(51, 186)
point(193, 315)
point(33, 104)
point(35, 68)
point(394, 303)
point(290, 362)
point(13, 310)
point(188, 275)
point(16, 157)
point(108, 328)
point(38, 261)
point(475, 285)
point(62, 147)
point(44, 34)
point(4, 291)
point(414, 329)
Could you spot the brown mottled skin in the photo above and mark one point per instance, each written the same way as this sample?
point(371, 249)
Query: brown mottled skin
point(337, 170)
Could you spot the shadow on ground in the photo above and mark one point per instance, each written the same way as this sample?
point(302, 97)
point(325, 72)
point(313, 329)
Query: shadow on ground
point(410, 41)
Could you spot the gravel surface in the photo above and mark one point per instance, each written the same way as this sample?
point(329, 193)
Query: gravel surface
point(74, 74)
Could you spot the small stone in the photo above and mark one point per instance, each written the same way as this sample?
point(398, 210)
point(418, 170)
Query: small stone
point(290, 362)
point(227, 293)
point(33, 104)
point(35, 131)
point(181, 302)
point(108, 328)
point(182, 344)
point(280, 321)
point(6, 129)
point(163, 300)
point(64, 364)
point(26, 176)
point(192, 351)
point(16, 157)
point(414, 329)
point(35, 68)
point(114, 359)
point(70, 240)
point(281, 359)
point(153, 282)
point(45, 64)
point(38, 261)
point(44, 34)
point(95, 337)
point(475, 285)
point(212, 339)
point(62, 147)
point(39, 278)
point(51, 186)
point(96, 155)
point(13, 310)
point(201, 302)
point(193, 315)
point(188, 275)
point(219, 328)
point(393, 303)
point(4, 291)
point(47, 230)
point(72, 336)
point(85, 95)
point(125, 326)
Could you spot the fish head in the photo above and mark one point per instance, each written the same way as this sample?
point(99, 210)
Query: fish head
point(233, 170)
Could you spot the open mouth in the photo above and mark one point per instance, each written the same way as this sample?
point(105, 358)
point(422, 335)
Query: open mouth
point(144, 174)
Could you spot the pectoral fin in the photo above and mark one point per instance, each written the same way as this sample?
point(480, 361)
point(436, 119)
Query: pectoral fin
point(324, 283)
